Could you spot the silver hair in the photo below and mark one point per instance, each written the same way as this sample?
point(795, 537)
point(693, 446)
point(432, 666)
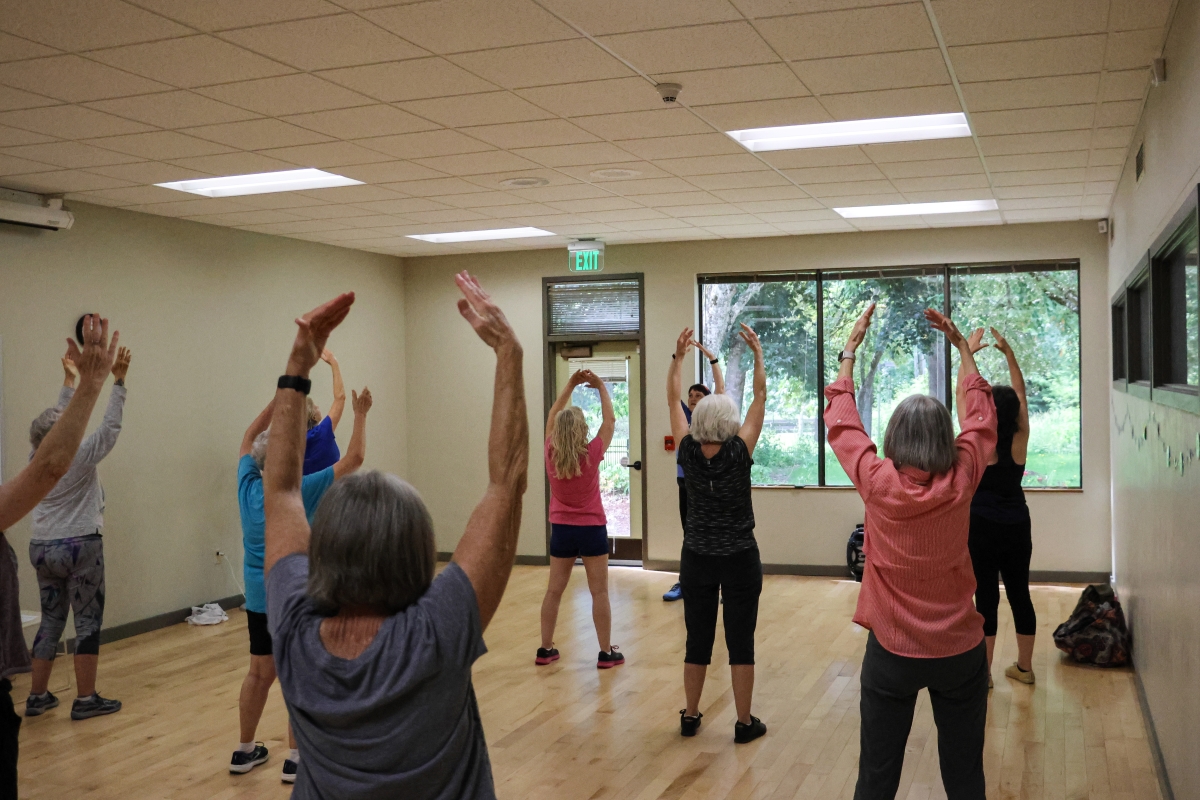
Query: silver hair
point(920, 434)
point(258, 450)
point(715, 419)
point(42, 425)
point(372, 545)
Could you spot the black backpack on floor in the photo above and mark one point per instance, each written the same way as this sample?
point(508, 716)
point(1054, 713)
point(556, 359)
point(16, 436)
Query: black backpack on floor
point(1096, 632)
point(856, 560)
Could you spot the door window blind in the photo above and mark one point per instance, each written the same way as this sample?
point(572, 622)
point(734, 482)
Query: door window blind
point(595, 307)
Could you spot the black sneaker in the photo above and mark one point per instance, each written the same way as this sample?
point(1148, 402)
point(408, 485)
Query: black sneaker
point(289, 771)
point(610, 659)
point(242, 762)
point(93, 706)
point(39, 704)
point(748, 733)
point(689, 725)
point(545, 656)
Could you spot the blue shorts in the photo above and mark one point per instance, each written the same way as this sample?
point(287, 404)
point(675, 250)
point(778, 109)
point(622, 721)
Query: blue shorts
point(572, 541)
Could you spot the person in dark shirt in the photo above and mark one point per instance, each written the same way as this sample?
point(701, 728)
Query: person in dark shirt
point(720, 554)
point(320, 447)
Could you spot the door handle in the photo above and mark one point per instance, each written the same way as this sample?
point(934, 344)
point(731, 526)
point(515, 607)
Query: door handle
point(635, 465)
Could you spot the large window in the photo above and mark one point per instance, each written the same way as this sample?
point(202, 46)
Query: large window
point(803, 320)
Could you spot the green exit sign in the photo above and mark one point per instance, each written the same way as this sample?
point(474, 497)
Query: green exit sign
point(585, 256)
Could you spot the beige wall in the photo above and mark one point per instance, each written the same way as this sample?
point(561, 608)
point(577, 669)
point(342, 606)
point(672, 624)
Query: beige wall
point(795, 526)
point(1156, 503)
point(207, 312)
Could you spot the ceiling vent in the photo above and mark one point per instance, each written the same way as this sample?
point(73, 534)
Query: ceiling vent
point(524, 183)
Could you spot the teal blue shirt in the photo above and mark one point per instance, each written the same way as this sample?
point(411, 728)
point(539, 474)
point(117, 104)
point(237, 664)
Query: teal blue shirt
point(254, 521)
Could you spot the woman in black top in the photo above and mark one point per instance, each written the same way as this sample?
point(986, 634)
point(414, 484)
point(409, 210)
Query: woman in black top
point(1000, 540)
point(720, 554)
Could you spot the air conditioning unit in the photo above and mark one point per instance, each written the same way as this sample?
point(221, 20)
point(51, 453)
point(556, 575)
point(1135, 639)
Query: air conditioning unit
point(34, 211)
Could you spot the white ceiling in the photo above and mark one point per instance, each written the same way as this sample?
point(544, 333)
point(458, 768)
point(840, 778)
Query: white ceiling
point(434, 103)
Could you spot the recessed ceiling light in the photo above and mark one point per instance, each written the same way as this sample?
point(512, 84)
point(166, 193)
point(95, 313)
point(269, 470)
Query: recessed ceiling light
point(859, 131)
point(479, 236)
point(292, 180)
point(524, 183)
point(615, 173)
point(917, 209)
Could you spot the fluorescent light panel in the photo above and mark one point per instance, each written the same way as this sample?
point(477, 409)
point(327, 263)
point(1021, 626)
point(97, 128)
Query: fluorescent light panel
point(859, 131)
point(918, 209)
point(479, 236)
point(292, 180)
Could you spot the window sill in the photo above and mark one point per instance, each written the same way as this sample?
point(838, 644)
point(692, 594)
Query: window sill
point(1184, 398)
point(1120, 385)
point(1139, 389)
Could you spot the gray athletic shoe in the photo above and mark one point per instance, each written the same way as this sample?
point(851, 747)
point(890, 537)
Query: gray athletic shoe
point(37, 705)
point(93, 706)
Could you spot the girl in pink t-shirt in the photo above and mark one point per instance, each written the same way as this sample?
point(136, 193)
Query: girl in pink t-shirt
point(577, 522)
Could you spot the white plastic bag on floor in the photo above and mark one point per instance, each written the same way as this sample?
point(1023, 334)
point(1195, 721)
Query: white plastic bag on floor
point(207, 614)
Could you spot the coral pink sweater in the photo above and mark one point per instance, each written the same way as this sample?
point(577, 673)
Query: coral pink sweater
point(918, 584)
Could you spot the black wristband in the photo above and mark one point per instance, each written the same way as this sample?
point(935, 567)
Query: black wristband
point(301, 385)
point(713, 360)
point(672, 356)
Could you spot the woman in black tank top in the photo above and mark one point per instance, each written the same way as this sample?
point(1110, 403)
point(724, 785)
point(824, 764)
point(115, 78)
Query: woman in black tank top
point(1000, 540)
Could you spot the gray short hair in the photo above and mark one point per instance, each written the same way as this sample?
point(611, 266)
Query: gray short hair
point(42, 425)
point(715, 419)
point(258, 450)
point(372, 545)
point(920, 434)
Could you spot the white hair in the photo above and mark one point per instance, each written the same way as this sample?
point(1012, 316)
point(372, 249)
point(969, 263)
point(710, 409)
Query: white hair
point(715, 419)
point(258, 451)
point(42, 425)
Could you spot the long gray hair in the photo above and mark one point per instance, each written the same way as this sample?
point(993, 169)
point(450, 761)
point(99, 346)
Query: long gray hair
point(42, 425)
point(920, 434)
point(372, 545)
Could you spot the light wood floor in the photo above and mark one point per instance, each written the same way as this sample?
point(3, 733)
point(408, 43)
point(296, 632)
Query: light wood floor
point(571, 732)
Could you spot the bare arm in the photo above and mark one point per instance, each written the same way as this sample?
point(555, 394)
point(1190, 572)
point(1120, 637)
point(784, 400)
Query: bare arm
point(679, 423)
point(857, 334)
point(563, 400)
point(1016, 379)
point(54, 456)
point(353, 458)
point(942, 323)
point(752, 425)
point(489, 544)
point(608, 423)
point(975, 341)
point(339, 390)
point(718, 378)
point(260, 424)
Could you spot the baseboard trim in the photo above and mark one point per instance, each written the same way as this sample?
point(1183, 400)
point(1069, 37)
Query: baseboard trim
point(1066, 576)
point(119, 632)
point(525, 561)
point(1160, 765)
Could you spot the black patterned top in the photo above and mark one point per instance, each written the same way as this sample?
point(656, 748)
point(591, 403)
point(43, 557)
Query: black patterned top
point(720, 517)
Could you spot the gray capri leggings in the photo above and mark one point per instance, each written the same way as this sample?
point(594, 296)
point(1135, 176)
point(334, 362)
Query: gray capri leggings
point(70, 575)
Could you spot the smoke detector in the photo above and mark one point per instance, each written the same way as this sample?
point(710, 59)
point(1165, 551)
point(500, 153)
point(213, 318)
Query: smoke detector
point(524, 183)
point(669, 91)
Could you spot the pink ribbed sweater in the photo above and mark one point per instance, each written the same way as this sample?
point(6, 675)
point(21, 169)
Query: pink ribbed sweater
point(918, 585)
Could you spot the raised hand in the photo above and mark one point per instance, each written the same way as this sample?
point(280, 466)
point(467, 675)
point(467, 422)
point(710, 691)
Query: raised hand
point(121, 366)
point(750, 338)
point(361, 403)
point(707, 353)
point(942, 323)
point(859, 331)
point(683, 343)
point(313, 331)
point(327, 356)
point(70, 371)
point(592, 379)
point(485, 317)
point(98, 354)
point(975, 340)
point(1001, 343)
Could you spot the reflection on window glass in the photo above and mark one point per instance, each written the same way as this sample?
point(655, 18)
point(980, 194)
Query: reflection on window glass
point(1038, 313)
point(1192, 315)
point(784, 315)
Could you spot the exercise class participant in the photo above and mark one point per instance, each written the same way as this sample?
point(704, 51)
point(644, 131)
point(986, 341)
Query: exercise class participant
point(374, 652)
point(320, 447)
point(696, 393)
point(251, 462)
point(917, 585)
point(49, 463)
point(1001, 538)
point(720, 554)
point(67, 552)
point(579, 527)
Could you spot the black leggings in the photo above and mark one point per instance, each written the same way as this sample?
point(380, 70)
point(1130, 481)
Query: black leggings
point(1004, 549)
point(703, 579)
point(682, 502)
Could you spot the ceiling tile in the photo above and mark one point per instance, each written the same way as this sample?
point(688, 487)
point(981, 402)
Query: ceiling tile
point(132, 195)
point(881, 198)
point(939, 195)
point(980, 21)
point(361, 122)
point(74, 79)
point(240, 218)
point(425, 144)
point(13, 48)
point(935, 182)
point(61, 181)
point(643, 124)
point(595, 204)
point(621, 16)
point(1035, 161)
point(299, 226)
point(1035, 142)
point(631, 216)
point(436, 187)
point(777, 8)
point(183, 208)
point(490, 108)
point(550, 194)
point(893, 103)
point(874, 71)
point(760, 193)
point(354, 194)
point(453, 215)
point(816, 157)
point(857, 172)
point(850, 32)
point(741, 180)
point(1040, 202)
point(805, 203)
point(256, 134)
point(390, 171)
point(149, 172)
point(454, 26)
point(945, 166)
point(401, 205)
point(70, 122)
point(326, 212)
point(233, 164)
point(1124, 15)
point(994, 62)
point(725, 44)
point(764, 113)
point(173, 109)
point(1111, 137)
point(72, 25)
point(1112, 173)
point(522, 211)
point(11, 137)
point(711, 165)
point(1099, 187)
point(477, 163)
point(632, 187)
point(1038, 190)
point(689, 197)
point(160, 145)
point(1062, 90)
point(1133, 49)
point(1127, 84)
point(703, 210)
point(345, 40)
point(1041, 215)
point(737, 84)
point(1107, 157)
point(290, 94)
point(71, 155)
point(798, 216)
point(1124, 112)
point(1033, 120)
point(278, 200)
point(481, 200)
point(215, 15)
point(15, 98)
point(11, 165)
point(191, 61)
point(328, 155)
point(642, 171)
point(595, 97)
point(844, 189)
point(543, 64)
point(921, 151)
point(704, 144)
point(409, 80)
point(567, 155)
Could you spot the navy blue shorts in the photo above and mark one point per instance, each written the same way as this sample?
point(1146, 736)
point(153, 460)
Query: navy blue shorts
point(572, 541)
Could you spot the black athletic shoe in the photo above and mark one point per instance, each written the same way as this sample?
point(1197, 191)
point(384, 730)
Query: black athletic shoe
point(689, 725)
point(243, 762)
point(610, 659)
point(748, 733)
point(93, 706)
point(545, 656)
point(289, 771)
point(37, 705)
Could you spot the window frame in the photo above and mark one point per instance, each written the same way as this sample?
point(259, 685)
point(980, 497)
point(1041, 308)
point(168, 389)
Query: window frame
point(1139, 284)
point(1120, 341)
point(1183, 229)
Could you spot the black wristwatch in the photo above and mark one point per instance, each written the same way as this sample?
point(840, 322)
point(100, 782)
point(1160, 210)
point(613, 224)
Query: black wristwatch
point(301, 385)
point(713, 360)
